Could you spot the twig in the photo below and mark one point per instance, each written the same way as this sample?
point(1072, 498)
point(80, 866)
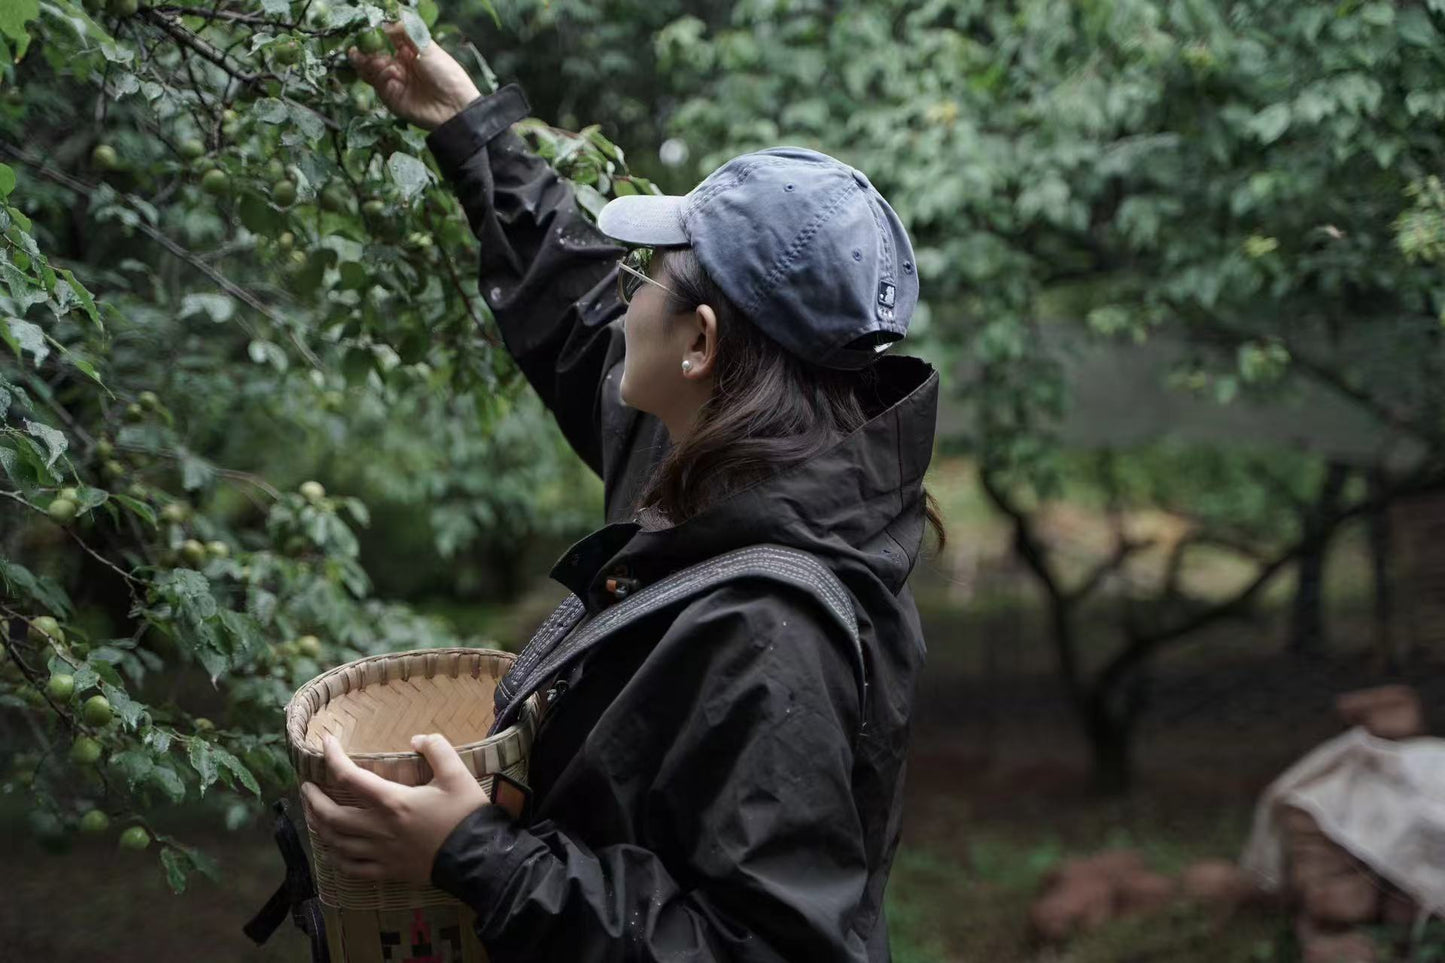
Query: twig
point(201, 46)
point(232, 473)
point(255, 19)
point(487, 336)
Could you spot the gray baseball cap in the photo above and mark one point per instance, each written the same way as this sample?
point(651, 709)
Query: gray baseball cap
point(801, 242)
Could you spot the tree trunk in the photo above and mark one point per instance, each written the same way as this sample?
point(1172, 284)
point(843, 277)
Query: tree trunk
point(1307, 627)
point(1110, 748)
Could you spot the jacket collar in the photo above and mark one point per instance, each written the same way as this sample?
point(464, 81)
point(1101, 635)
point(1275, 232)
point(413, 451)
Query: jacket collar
point(857, 505)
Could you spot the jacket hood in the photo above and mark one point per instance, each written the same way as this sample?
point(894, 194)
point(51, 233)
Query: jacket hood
point(856, 506)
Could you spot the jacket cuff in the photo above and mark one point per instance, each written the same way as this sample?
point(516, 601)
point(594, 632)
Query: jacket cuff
point(477, 858)
point(459, 138)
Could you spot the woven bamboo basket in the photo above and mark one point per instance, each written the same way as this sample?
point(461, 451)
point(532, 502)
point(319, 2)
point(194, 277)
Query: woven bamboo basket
point(373, 706)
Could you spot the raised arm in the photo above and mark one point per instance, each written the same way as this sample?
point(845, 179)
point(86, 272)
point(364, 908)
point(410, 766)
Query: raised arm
point(545, 270)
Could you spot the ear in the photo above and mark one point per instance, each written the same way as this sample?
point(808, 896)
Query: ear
point(702, 350)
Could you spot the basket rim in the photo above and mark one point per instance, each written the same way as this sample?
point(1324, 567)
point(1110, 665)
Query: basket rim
point(294, 706)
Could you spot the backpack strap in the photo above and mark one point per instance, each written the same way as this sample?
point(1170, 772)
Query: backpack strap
point(568, 634)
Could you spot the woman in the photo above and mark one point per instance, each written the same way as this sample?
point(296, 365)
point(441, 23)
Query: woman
point(708, 784)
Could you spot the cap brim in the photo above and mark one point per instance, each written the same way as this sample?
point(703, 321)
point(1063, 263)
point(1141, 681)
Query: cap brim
point(646, 220)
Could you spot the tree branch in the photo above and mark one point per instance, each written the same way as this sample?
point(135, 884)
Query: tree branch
point(1428, 479)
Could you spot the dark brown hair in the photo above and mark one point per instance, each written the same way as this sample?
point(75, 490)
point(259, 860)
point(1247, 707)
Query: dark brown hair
point(769, 409)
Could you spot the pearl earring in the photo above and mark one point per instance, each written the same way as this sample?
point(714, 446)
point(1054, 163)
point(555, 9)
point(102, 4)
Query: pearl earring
point(686, 367)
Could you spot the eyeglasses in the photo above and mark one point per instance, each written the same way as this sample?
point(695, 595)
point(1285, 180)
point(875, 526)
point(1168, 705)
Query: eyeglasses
point(632, 274)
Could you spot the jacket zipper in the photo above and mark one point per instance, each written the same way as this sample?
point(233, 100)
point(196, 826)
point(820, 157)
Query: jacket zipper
point(555, 693)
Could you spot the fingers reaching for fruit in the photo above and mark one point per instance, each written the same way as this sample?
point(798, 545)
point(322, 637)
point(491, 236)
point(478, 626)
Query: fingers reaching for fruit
point(426, 87)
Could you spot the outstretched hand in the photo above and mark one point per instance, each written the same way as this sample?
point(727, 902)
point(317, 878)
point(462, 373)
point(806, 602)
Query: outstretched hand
point(426, 87)
point(396, 830)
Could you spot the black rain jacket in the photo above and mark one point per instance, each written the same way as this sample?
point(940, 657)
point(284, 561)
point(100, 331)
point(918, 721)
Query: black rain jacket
point(701, 787)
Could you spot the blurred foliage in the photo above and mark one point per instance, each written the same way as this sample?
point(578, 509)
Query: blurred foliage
point(1251, 178)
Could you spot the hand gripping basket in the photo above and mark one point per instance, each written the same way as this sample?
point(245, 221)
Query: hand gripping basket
point(373, 706)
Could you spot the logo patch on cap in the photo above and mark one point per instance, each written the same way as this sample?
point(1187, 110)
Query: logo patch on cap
point(886, 293)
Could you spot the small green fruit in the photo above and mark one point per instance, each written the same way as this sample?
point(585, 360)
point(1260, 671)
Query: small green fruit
point(44, 628)
point(309, 645)
point(112, 469)
point(149, 400)
point(94, 822)
point(69, 493)
point(286, 53)
point(193, 552)
point(175, 512)
point(372, 41)
point(61, 687)
point(215, 182)
point(203, 724)
point(275, 170)
point(191, 148)
point(85, 751)
point(334, 198)
point(97, 711)
point(134, 413)
point(373, 208)
point(135, 838)
point(62, 511)
point(124, 8)
point(219, 549)
point(104, 158)
point(312, 491)
point(286, 241)
point(104, 448)
point(230, 122)
point(284, 193)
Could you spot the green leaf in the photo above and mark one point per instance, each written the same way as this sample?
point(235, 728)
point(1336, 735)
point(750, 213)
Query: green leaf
point(196, 472)
point(138, 507)
point(259, 216)
point(590, 199)
point(55, 442)
point(1270, 124)
point(20, 580)
point(175, 866)
point(416, 28)
point(7, 180)
point(203, 761)
point(410, 174)
point(219, 307)
point(244, 630)
point(354, 276)
point(1415, 28)
point(127, 708)
point(22, 335)
point(89, 498)
point(169, 781)
point(14, 14)
point(135, 764)
point(237, 769)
